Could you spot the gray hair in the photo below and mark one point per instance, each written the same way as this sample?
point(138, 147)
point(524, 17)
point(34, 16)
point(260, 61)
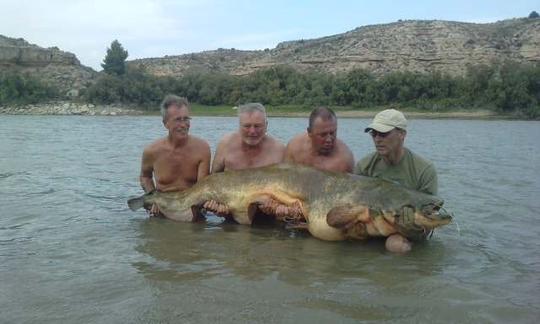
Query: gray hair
point(172, 100)
point(252, 107)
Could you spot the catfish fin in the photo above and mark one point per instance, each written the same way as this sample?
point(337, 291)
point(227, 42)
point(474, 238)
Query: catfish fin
point(346, 215)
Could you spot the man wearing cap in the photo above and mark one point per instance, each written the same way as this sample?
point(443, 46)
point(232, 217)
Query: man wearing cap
point(394, 162)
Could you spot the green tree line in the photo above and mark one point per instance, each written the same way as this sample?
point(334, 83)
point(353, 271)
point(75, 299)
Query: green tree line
point(506, 88)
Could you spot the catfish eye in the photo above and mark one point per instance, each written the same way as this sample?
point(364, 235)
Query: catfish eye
point(431, 209)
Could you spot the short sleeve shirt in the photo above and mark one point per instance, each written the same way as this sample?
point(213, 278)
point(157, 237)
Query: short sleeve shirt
point(412, 171)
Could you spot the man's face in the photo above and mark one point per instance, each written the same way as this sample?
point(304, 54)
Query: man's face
point(178, 121)
point(323, 135)
point(252, 127)
point(388, 143)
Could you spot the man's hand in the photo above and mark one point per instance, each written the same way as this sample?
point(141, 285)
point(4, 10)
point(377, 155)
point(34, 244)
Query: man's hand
point(281, 211)
point(153, 211)
point(217, 208)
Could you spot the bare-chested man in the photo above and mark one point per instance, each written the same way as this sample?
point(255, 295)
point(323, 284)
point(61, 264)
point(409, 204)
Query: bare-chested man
point(319, 147)
point(178, 161)
point(249, 147)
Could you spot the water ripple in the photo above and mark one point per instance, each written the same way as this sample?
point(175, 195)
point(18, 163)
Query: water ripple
point(66, 234)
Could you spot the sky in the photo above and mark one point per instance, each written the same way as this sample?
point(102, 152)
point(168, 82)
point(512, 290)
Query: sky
point(155, 28)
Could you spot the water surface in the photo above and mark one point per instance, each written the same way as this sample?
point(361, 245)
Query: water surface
point(72, 252)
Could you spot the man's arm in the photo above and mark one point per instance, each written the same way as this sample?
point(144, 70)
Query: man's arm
point(428, 181)
point(218, 164)
point(360, 168)
point(147, 171)
point(279, 151)
point(293, 148)
point(365, 165)
point(147, 177)
point(349, 159)
point(204, 166)
point(289, 152)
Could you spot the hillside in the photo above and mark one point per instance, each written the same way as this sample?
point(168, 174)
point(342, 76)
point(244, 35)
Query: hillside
point(416, 45)
point(422, 46)
point(59, 68)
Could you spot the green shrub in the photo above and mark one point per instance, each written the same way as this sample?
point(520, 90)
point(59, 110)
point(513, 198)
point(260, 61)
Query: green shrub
point(16, 88)
point(509, 88)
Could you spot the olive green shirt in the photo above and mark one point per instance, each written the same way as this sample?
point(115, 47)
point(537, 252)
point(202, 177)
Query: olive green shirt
point(412, 171)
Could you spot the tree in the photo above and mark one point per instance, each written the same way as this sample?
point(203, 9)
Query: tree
point(115, 60)
point(534, 14)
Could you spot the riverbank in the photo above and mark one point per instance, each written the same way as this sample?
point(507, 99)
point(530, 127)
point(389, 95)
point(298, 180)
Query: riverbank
point(68, 108)
point(75, 108)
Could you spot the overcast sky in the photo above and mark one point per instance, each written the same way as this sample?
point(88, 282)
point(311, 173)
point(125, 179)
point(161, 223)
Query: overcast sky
point(155, 28)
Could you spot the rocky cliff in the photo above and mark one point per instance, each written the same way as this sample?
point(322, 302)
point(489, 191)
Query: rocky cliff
point(422, 46)
point(52, 65)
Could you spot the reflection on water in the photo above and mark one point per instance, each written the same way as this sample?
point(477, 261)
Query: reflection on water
point(71, 251)
point(196, 251)
point(314, 277)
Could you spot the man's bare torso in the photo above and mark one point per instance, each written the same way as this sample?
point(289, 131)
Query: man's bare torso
point(300, 150)
point(236, 156)
point(176, 168)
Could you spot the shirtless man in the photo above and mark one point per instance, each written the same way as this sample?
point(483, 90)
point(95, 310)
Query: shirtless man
point(319, 147)
point(249, 147)
point(177, 161)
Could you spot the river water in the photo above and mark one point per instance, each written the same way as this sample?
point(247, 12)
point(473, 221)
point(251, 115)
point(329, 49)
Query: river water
point(72, 252)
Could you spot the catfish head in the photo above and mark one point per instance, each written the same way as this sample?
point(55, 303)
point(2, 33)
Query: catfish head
point(416, 222)
point(431, 213)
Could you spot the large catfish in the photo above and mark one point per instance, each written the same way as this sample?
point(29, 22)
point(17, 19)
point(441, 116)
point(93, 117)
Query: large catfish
point(331, 206)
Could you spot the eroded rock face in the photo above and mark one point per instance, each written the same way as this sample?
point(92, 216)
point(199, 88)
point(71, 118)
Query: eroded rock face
point(59, 68)
point(20, 52)
point(422, 46)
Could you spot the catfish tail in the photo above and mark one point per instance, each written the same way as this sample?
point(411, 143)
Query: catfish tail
point(136, 203)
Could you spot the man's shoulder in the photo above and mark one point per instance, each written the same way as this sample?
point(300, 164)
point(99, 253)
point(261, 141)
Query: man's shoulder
point(419, 160)
point(229, 137)
point(426, 174)
point(299, 138)
point(373, 156)
point(199, 142)
point(297, 142)
point(156, 145)
point(274, 142)
point(229, 141)
point(343, 147)
point(365, 165)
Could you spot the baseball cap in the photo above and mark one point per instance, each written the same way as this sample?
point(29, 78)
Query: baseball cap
point(387, 120)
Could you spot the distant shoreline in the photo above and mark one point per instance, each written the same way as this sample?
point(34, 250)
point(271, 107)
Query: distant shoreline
point(65, 108)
